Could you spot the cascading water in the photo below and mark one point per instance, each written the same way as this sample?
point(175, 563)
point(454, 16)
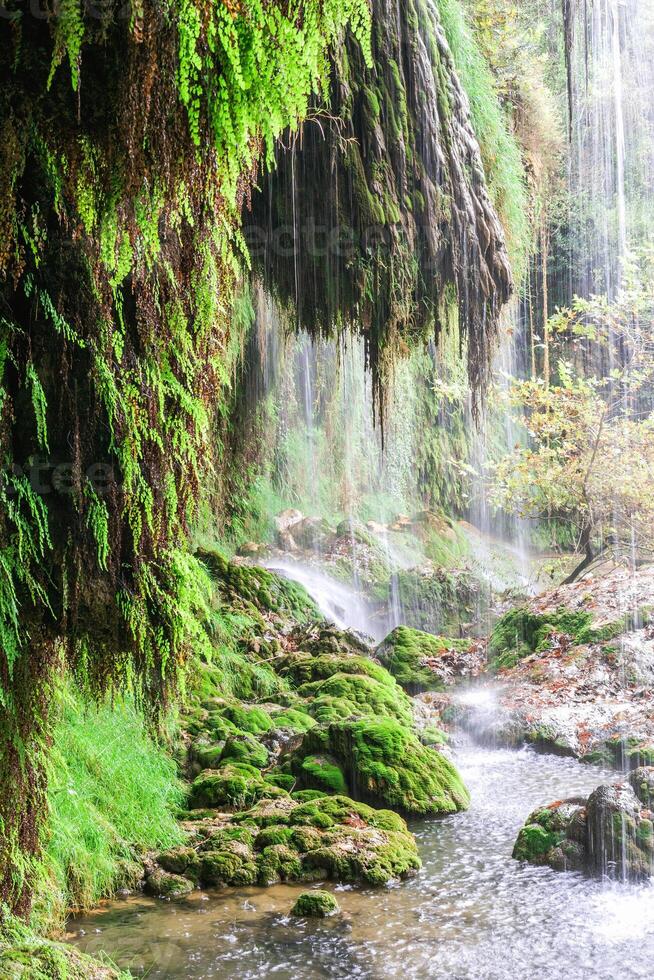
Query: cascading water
point(612, 159)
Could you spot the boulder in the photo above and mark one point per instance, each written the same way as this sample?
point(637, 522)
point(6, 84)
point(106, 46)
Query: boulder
point(611, 834)
point(315, 905)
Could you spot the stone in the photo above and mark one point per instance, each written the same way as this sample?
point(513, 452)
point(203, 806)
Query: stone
point(315, 905)
point(162, 884)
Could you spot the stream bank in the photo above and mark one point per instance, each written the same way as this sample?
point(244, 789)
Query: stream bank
point(471, 912)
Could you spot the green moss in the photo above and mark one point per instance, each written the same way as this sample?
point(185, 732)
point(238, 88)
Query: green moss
point(359, 694)
point(307, 795)
point(260, 589)
point(534, 842)
point(231, 785)
point(404, 652)
point(384, 763)
point(521, 632)
point(233, 865)
point(245, 748)
point(278, 862)
point(304, 668)
point(247, 719)
point(270, 836)
point(161, 884)
point(180, 861)
point(25, 956)
point(293, 718)
point(322, 773)
point(315, 905)
point(281, 779)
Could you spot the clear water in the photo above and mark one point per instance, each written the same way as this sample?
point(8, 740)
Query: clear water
point(472, 912)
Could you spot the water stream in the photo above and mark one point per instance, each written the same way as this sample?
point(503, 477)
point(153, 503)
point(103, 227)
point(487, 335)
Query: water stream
point(472, 912)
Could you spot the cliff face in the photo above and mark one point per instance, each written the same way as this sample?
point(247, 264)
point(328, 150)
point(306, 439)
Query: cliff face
point(378, 216)
point(128, 146)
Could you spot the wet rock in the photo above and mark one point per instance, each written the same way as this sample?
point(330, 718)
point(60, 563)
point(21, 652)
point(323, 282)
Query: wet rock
point(315, 905)
point(312, 533)
point(424, 662)
point(162, 884)
point(642, 783)
point(287, 519)
point(608, 835)
point(251, 549)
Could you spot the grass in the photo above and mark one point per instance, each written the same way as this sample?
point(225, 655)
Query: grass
point(112, 794)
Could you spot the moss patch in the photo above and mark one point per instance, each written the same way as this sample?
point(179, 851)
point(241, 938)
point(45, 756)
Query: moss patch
point(405, 651)
point(384, 763)
point(315, 905)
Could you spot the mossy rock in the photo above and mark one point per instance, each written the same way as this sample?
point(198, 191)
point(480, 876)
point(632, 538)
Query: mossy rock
point(385, 764)
point(307, 795)
point(279, 862)
point(534, 844)
point(315, 905)
point(321, 772)
point(260, 588)
point(233, 864)
point(162, 884)
point(270, 836)
point(231, 785)
point(359, 694)
point(642, 783)
point(29, 957)
point(331, 837)
point(305, 668)
point(246, 749)
point(521, 632)
point(404, 652)
point(295, 719)
point(253, 720)
point(183, 861)
point(282, 780)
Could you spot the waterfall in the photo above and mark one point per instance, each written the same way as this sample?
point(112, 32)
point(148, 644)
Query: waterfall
point(612, 149)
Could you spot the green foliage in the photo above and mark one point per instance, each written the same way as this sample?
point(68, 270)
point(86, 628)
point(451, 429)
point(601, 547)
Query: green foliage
point(590, 448)
point(118, 262)
point(500, 150)
point(112, 794)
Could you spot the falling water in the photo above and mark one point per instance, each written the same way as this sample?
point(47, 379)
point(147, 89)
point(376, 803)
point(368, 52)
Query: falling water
point(612, 158)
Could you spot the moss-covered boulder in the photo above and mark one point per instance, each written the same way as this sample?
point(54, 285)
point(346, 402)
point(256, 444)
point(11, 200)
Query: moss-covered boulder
point(611, 834)
point(182, 860)
point(384, 764)
point(235, 785)
point(259, 589)
point(348, 695)
point(230, 863)
point(315, 905)
point(162, 884)
point(322, 772)
point(523, 631)
point(415, 659)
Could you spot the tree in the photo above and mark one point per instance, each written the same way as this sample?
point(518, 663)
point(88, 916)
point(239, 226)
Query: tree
point(588, 461)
